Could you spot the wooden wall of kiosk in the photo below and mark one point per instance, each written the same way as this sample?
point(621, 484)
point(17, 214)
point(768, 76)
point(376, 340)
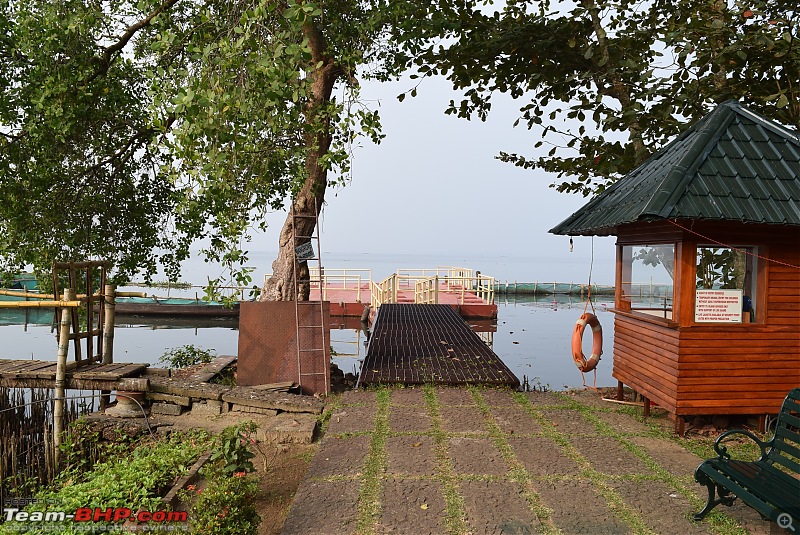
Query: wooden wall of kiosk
point(708, 369)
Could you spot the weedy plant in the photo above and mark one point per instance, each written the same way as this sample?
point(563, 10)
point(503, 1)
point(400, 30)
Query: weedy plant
point(188, 355)
point(224, 504)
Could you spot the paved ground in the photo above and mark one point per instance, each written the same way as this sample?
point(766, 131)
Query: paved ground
point(458, 461)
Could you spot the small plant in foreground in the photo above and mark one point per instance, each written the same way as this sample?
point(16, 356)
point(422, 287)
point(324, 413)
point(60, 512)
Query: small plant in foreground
point(225, 506)
point(231, 449)
point(188, 355)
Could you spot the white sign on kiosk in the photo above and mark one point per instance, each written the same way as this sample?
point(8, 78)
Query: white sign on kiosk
point(718, 306)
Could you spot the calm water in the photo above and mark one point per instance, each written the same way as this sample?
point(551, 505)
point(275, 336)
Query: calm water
point(532, 337)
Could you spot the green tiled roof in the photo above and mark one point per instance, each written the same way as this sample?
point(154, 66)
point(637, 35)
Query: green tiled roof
point(732, 165)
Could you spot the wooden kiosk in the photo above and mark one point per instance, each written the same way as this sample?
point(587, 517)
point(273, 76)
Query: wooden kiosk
point(708, 267)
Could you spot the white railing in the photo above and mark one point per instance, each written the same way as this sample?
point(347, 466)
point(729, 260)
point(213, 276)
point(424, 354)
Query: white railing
point(443, 272)
point(426, 291)
point(426, 284)
point(484, 288)
point(341, 279)
point(384, 291)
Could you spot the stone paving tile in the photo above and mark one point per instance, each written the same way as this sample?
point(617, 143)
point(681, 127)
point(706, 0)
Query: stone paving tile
point(408, 396)
point(339, 457)
point(577, 509)
point(454, 396)
point(497, 397)
point(673, 458)
point(476, 456)
point(352, 419)
point(749, 518)
point(497, 507)
point(541, 456)
point(409, 419)
point(622, 423)
point(607, 456)
point(359, 397)
point(569, 422)
point(314, 505)
point(544, 398)
point(514, 419)
point(412, 507)
point(662, 508)
point(462, 420)
point(411, 455)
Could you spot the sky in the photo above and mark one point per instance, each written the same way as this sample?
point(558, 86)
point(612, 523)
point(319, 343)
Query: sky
point(433, 191)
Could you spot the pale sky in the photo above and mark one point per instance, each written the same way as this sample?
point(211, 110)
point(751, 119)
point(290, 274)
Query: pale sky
point(433, 187)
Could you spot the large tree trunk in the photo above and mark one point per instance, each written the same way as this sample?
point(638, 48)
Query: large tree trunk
point(308, 201)
point(281, 286)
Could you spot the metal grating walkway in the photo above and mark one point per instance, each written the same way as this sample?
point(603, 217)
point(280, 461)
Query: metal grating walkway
point(413, 344)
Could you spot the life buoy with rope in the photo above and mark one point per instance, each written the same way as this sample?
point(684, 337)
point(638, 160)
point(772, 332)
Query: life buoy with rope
point(581, 362)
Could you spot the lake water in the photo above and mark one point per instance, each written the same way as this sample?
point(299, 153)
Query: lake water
point(532, 337)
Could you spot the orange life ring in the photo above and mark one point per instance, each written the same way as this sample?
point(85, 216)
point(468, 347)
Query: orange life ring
point(581, 362)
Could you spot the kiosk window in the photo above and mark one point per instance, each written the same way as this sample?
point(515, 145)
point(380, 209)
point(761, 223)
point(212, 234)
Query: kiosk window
point(648, 272)
point(725, 274)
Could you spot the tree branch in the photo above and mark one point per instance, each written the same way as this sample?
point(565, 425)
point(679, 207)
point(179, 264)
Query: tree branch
point(109, 51)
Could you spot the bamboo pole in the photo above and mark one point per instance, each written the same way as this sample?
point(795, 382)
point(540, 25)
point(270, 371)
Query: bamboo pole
point(41, 296)
point(108, 337)
point(40, 304)
point(61, 374)
point(130, 294)
point(108, 328)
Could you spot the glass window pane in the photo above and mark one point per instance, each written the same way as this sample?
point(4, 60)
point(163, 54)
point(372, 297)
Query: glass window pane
point(727, 268)
point(648, 274)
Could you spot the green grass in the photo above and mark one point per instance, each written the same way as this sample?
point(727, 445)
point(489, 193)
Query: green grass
point(369, 499)
point(586, 470)
point(686, 486)
point(517, 472)
point(455, 516)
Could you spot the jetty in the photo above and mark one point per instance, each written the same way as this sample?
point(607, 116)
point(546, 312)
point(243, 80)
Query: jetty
point(419, 344)
point(470, 293)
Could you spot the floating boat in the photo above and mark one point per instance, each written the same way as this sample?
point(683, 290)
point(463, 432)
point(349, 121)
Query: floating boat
point(173, 306)
point(24, 281)
point(143, 306)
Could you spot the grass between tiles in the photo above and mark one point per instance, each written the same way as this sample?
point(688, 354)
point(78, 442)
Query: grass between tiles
point(517, 472)
point(455, 516)
point(369, 499)
point(586, 470)
point(719, 522)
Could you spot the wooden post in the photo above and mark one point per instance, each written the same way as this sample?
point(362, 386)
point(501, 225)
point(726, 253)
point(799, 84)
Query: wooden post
point(61, 373)
point(109, 301)
point(620, 391)
point(108, 329)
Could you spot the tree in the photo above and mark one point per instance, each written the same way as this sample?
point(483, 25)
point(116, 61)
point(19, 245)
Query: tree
point(131, 129)
point(609, 81)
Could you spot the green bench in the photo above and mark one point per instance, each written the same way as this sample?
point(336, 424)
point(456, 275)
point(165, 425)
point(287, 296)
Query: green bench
point(769, 484)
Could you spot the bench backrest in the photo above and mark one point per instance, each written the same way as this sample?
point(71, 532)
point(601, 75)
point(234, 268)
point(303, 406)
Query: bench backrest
point(786, 443)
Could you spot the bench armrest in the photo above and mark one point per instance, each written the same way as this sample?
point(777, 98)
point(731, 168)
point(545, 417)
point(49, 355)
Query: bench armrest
point(722, 450)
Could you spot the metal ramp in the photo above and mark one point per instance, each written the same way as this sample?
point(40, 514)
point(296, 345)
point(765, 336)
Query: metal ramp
point(416, 344)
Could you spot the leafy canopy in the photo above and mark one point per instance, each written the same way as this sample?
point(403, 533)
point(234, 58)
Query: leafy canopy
point(130, 129)
point(607, 82)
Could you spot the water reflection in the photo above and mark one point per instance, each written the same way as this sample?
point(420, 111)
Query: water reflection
point(532, 335)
